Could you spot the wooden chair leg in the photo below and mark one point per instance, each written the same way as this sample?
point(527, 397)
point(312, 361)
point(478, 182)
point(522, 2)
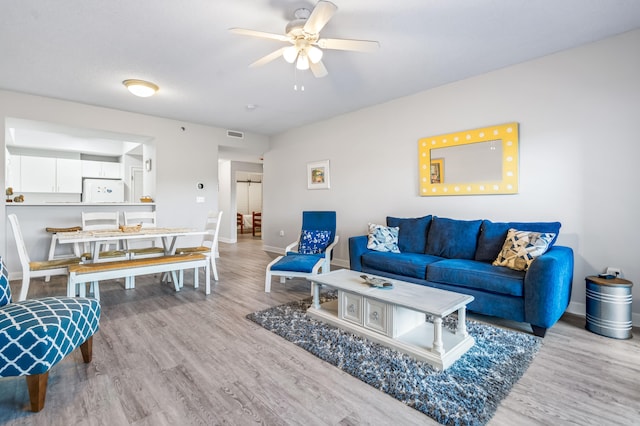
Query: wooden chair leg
point(87, 350)
point(37, 385)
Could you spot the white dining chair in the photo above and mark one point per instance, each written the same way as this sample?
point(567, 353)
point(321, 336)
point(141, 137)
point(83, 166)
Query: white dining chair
point(146, 220)
point(54, 244)
point(209, 245)
point(36, 269)
point(95, 221)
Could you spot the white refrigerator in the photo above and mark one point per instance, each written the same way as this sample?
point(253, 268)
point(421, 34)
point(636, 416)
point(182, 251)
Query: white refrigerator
point(102, 191)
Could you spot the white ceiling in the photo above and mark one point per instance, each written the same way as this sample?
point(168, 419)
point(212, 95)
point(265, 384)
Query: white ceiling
point(81, 50)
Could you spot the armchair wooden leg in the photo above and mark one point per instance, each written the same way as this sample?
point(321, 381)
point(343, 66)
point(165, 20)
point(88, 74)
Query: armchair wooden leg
point(37, 385)
point(87, 350)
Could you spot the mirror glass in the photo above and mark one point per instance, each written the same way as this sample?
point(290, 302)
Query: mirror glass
point(479, 161)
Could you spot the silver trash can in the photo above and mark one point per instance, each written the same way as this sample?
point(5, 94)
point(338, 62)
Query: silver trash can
point(609, 307)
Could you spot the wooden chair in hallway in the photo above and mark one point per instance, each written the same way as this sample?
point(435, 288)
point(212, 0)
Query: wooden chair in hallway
point(240, 222)
point(256, 223)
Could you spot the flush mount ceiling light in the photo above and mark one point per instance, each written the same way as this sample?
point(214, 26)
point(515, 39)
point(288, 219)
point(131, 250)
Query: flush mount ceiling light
point(141, 88)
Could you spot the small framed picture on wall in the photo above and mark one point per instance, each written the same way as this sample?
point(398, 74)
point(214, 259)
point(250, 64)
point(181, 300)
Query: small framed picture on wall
point(318, 175)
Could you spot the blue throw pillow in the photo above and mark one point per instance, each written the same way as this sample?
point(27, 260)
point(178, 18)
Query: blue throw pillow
point(453, 239)
point(412, 236)
point(383, 238)
point(493, 235)
point(314, 241)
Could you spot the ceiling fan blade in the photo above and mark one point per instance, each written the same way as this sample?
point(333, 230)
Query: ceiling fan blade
point(346, 44)
point(319, 17)
point(318, 69)
point(268, 58)
point(261, 34)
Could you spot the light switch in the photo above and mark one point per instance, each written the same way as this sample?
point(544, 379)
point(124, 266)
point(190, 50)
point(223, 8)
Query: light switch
point(199, 199)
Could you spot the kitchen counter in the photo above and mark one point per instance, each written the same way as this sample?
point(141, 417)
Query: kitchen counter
point(72, 203)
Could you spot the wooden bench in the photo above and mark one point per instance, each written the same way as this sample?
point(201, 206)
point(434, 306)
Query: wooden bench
point(128, 269)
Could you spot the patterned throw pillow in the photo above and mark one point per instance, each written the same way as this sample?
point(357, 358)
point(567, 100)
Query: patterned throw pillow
point(522, 247)
point(314, 241)
point(383, 238)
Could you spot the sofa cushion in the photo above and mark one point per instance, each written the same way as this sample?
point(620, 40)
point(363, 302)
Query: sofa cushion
point(477, 275)
point(406, 264)
point(493, 234)
point(521, 248)
point(383, 238)
point(314, 241)
point(412, 237)
point(453, 239)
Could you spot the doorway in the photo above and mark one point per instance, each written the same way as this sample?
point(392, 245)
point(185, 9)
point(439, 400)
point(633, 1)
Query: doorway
point(136, 188)
point(248, 201)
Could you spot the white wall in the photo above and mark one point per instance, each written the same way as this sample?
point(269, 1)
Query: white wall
point(183, 158)
point(578, 113)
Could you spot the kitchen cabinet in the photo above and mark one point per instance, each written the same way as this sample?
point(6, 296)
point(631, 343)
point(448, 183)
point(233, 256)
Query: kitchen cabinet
point(37, 174)
point(12, 172)
point(46, 174)
point(68, 175)
point(101, 169)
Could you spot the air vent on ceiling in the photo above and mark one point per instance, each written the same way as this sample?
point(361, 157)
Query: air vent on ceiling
point(235, 134)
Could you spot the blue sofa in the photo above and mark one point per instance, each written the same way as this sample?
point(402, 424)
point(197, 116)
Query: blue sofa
point(457, 255)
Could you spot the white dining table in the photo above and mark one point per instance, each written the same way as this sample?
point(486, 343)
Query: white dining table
point(96, 238)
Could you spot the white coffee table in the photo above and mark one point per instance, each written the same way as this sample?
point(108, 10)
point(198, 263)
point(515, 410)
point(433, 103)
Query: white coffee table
point(395, 317)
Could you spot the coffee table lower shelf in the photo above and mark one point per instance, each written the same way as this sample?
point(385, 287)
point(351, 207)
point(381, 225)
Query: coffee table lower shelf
point(416, 340)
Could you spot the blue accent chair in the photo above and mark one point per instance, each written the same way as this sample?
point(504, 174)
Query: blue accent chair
point(35, 334)
point(311, 253)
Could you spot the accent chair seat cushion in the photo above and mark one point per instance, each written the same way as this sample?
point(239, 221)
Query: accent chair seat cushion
point(36, 334)
point(293, 262)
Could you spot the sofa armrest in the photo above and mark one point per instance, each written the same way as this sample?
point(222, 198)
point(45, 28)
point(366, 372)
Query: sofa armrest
point(357, 246)
point(547, 287)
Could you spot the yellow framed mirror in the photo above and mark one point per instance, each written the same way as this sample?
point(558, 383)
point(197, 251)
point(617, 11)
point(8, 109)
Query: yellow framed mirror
point(472, 162)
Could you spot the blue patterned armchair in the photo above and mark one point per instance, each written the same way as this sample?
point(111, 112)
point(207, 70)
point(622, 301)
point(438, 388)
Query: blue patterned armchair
point(35, 334)
point(311, 253)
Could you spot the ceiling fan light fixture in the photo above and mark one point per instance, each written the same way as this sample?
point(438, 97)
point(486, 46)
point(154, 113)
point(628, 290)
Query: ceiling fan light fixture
point(290, 54)
point(141, 88)
point(314, 54)
point(303, 61)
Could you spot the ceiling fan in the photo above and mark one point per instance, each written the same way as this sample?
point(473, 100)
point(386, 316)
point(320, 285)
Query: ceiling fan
point(306, 45)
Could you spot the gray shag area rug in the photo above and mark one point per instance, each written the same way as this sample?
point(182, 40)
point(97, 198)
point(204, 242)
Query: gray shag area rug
point(467, 393)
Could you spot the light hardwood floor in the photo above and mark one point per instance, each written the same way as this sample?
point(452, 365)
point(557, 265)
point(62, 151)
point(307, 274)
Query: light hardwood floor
point(166, 358)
